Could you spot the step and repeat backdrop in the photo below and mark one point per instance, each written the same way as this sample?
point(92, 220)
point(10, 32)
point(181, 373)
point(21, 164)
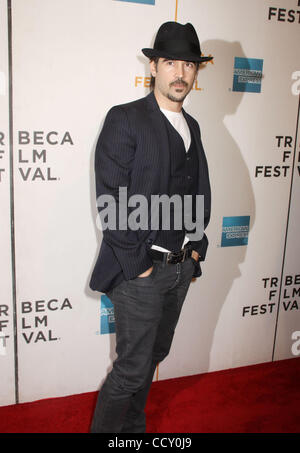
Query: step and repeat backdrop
point(63, 64)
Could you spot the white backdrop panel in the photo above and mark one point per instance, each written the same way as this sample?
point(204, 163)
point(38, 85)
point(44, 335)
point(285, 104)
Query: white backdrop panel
point(229, 317)
point(70, 66)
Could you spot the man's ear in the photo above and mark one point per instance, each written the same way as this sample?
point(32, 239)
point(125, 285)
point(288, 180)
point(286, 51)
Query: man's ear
point(153, 68)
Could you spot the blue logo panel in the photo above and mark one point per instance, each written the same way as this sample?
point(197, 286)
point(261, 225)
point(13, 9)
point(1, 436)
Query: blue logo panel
point(235, 231)
point(107, 318)
point(247, 74)
point(146, 2)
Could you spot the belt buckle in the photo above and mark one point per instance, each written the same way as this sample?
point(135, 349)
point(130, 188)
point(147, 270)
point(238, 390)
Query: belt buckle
point(170, 257)
point(173, 256)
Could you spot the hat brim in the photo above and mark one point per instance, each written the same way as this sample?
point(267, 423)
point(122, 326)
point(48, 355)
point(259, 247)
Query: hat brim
point(150, 53)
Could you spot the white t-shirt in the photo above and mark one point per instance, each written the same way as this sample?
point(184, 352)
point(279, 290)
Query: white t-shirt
point(179, 123)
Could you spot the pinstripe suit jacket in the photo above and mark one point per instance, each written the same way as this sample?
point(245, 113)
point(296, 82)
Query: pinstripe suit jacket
point(133, 151)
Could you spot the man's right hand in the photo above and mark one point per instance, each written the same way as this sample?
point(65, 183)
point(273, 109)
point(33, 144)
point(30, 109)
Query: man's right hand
point(147, 272)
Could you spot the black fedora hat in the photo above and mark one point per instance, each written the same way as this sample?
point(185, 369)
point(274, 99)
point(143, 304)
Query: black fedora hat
point(177, 42)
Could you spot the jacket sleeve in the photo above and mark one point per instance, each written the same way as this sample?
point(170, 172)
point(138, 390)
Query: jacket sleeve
point(200, 247)
point(114, 156)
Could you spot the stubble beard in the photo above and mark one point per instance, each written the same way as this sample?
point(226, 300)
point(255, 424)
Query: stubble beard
point(175, 99)
point(182, 97)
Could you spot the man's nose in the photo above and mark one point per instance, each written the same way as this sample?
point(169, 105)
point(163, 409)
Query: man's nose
point(179, 69)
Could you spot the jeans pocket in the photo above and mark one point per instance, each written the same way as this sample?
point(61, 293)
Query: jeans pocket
point(149, 278)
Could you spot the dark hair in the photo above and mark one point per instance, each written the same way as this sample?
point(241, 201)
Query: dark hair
point(152, 80)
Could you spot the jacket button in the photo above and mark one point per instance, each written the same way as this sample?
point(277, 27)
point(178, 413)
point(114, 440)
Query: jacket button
point(150, 241)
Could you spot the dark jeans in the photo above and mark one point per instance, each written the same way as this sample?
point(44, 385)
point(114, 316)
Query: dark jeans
point(146, 311)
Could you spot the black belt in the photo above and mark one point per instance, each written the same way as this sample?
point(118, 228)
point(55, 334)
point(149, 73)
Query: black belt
point(171, 257)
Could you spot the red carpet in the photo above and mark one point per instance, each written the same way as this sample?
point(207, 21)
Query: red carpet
point(262, 398)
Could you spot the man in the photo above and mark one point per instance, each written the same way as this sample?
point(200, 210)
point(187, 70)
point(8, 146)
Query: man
point(149, 146)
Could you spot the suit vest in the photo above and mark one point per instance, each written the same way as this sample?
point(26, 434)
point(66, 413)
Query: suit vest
point(183, 181)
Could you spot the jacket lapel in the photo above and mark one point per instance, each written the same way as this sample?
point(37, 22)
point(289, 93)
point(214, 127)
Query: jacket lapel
point(203, 179)
point(197, 141)
point(160, 133)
